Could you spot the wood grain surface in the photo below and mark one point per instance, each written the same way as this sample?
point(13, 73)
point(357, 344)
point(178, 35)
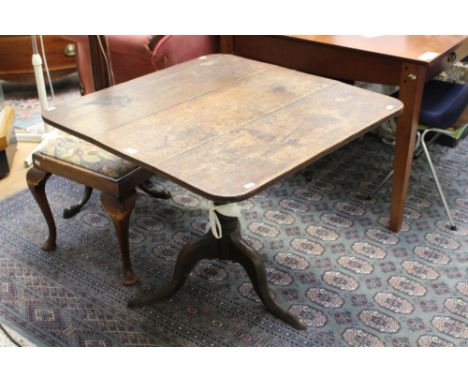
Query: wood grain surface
point(224, 126)
point(404, 61)
point(410, 48)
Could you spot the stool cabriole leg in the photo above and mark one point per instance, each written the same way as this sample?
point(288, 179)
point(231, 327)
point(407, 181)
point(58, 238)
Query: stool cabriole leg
point(36, 180)
point(74, 209)
point(119, 210)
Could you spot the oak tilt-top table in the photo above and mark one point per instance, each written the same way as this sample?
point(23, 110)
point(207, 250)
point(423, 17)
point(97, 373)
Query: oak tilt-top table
point(405, 61)
point(224, 127)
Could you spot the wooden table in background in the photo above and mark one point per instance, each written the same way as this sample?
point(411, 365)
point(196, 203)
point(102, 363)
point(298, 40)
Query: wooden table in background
point(224, 127)
point(406, 61)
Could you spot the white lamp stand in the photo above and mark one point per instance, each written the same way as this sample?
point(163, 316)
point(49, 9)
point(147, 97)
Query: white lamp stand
point(41, 91)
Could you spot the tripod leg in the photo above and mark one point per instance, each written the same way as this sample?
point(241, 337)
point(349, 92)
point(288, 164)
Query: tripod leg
point(188, 257)
point(255, 268)
point(157, 192)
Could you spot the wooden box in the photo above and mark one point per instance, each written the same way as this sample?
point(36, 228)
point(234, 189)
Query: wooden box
point(7, 140)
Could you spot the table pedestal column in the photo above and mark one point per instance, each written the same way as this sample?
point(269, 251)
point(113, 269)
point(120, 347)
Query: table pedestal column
point(229, 247)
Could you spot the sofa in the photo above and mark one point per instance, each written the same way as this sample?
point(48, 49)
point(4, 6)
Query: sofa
point(132, 56)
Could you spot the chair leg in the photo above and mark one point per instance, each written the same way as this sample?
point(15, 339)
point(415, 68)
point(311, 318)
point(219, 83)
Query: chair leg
point(119, 210)
point(379, 187)
point(36, 180)
point(154, 191)
point(453, 227)
point(74, 209)
point(417, 151)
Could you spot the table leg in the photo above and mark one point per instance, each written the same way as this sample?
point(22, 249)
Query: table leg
point(74, 209)
point(36, 180)
point(154, 191)
point(226, 44)
point(411, 89)
point(119, 210)
point(229, 247)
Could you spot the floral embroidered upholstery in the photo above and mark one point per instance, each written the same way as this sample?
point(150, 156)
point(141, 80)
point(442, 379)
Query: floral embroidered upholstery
point(84, 154)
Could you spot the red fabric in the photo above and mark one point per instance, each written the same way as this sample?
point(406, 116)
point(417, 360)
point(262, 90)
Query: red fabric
point(83, 62)
point(175, 49)
point(132, 57)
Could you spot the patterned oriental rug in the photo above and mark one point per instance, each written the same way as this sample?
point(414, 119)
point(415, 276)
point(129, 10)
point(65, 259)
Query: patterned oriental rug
point(23, 98)
point(330, 259)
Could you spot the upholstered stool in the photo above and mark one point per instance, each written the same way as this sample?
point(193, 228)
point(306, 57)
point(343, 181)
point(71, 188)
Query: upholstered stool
point(85, 163)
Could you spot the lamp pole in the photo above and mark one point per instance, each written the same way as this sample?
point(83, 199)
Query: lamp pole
point(41, 91)
point(39, 76)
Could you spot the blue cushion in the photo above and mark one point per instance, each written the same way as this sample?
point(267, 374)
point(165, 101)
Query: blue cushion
point(442, 103)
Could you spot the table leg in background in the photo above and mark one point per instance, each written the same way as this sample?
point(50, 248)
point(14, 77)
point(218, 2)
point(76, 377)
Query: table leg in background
point(411, 89)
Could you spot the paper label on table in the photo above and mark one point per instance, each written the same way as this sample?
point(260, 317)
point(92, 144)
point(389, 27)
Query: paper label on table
point(249, 185)
point(428, 56)
point(131, 150)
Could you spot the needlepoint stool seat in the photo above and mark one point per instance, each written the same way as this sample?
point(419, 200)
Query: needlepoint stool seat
point(85, 163)
point(75, 151)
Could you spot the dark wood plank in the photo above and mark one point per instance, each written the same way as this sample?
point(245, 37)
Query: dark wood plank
point(228, 131)
point(245, 160)
point(102, 111)
point(199, 120)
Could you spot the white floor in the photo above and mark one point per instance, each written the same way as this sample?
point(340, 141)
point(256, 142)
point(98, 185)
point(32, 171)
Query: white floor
point(5, 341)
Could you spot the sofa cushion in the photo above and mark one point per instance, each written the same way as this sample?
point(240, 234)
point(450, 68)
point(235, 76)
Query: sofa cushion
point(442, 103)
point(73, 150)
point(130, 56)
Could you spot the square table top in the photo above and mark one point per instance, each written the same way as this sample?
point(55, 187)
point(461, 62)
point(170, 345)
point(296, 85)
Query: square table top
point(417, 48)
point(224, 126)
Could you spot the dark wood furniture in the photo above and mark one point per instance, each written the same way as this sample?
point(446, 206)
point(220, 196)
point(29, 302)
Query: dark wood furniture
point(118, 198)
point(406, 61)
point(118, 195)
point(224, 127)
point(98, 52)
point(16, 55)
